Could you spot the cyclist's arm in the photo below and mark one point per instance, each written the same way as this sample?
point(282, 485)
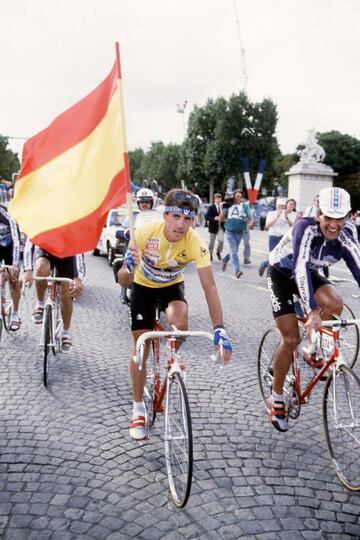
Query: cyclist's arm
point(128, 269)
point(303, 235)
point(212, 297)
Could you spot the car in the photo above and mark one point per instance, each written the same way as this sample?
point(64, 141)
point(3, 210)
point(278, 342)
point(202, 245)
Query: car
point(109, 244)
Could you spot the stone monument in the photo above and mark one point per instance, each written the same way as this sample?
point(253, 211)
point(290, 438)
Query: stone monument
point(309, 175)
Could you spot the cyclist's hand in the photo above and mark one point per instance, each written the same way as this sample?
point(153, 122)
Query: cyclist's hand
point(132, 259)
point(14, 274)
point(76, 288)
point(222, 341)
point(28, 278)
point(313, 322)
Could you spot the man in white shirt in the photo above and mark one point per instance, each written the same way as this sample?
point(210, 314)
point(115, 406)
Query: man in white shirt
point(278, 222)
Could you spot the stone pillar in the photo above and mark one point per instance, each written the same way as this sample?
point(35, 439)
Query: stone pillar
point(306, 179)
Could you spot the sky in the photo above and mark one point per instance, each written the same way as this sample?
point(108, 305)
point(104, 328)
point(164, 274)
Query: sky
point(303, 54)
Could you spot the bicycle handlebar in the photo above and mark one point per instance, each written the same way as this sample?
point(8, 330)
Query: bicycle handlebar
point(53, 279)
point(6, 266)
point(139, 356)
point(341, 322)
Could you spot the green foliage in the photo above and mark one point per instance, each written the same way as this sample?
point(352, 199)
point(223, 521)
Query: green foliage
point(9, 161)
point(160, 163)
point(136, 158)
point(342, 154)
point(222, 132)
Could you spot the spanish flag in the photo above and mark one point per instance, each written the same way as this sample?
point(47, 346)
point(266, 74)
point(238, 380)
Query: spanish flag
point(73, 172)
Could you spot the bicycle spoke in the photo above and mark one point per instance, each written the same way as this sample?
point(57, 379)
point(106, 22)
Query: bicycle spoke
point(349, 339)
point(178, 440)
point(268, 346)
point(342, 425)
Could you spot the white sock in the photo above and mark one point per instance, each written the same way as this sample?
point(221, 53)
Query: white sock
point(65, 333)
point(278, 397)
point(138, 408)
point(40, 303)
point(15, 315)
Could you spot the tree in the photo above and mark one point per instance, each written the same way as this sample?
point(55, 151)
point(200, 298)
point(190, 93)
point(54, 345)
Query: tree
point(342, 154)
point(222, 132)
point(161, 163)
point(136, 158)
point(9, 161)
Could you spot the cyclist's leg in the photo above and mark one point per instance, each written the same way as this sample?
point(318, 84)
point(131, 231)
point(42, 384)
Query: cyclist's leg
point(329, 300)
point(42, 269)
point(173, 303)
point(65, 269)
point(281, 289)
point(142, 314)
point(289, 330)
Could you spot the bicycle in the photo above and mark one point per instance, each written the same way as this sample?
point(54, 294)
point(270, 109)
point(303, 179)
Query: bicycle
point(178, 429)
point(341, 399)
point(5, 298)
point(52, 321)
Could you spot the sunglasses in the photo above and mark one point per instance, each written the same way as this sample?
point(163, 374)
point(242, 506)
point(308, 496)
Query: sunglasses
point(184, 200)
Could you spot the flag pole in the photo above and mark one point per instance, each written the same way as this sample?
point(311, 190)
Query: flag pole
point(126, 156)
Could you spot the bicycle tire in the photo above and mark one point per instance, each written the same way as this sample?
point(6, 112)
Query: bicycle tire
point(349, 339)
point(149, 388)
point(178, 440)
point(268, 345)
point(7, 302)
point(47, 341)
point(341, 418)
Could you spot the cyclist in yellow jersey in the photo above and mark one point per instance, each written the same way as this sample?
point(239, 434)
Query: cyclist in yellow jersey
point(156, 267)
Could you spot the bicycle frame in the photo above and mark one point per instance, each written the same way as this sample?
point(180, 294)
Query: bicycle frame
point(54, 300)
point(328, 332)
point(172, 363)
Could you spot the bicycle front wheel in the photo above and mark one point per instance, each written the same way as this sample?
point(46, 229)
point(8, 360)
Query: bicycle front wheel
point(178, 440)
point(268, 345)
point(47, 342)
point(349, 339)
point(341, 415)
point(149, 388)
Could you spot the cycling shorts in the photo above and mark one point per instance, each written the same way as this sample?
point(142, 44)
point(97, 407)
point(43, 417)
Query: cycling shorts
point(6, 254)
point(282, 289)
point(64, 267)
point(144, 301)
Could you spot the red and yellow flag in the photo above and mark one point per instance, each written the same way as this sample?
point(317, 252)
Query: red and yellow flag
point(73, 172)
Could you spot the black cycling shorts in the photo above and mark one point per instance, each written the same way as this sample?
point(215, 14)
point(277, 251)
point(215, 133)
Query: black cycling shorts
point(282, 289)
point(64, 267)
point(6, 254)
point(144, 301)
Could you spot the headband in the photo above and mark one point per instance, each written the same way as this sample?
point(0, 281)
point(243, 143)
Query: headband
point(178, 210)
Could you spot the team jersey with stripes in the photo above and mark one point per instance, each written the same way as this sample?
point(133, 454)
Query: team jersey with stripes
point(9, 234)
point(304, 248)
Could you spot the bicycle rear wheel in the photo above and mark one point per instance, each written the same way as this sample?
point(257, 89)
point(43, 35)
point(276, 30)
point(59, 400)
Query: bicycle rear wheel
point(268, 345)
point(349, 339)
point(48, 338)
point(178, 440)
point(149, 388)
point(6, 306)
point(341, 416)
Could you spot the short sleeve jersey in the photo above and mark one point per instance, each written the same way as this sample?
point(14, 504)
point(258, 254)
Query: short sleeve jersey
point(163, 262)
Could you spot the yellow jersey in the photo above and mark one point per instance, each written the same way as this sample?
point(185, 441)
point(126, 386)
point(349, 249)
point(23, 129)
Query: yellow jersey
point(162, 262)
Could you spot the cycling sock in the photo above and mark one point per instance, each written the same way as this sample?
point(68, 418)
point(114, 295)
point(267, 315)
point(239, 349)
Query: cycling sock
point(15, 315)
point(278, 397)
point(65, 333)
point(41, 303)
point(138, 407)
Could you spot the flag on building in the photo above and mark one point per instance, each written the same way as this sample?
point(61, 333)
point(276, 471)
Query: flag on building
point(73, 172)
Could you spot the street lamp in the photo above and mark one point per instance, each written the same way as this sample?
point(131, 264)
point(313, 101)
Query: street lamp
point(180, 107)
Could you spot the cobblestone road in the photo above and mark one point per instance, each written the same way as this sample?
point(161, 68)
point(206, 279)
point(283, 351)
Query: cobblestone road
point(69, 471)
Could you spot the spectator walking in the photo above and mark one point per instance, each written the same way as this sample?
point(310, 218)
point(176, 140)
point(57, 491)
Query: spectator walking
point(216, 227)
point(278, 222)
point(238, 219)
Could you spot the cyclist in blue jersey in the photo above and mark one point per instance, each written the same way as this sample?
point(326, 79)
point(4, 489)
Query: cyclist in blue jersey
point(10, 255)
point(312, 243)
